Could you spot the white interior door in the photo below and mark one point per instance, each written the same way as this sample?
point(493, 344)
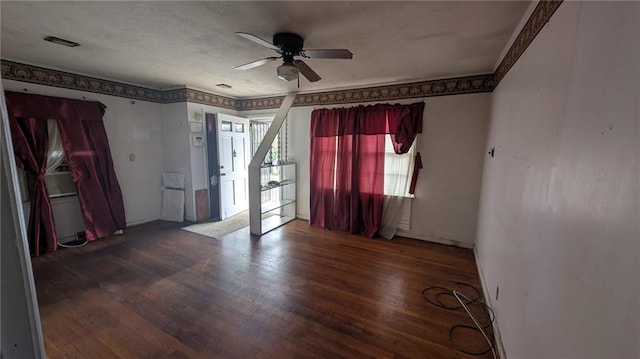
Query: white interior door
point(233, 149)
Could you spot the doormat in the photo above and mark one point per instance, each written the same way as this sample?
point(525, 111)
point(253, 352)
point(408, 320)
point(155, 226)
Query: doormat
point(220, 229)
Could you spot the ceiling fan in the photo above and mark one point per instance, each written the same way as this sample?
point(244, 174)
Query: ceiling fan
point(288, 45)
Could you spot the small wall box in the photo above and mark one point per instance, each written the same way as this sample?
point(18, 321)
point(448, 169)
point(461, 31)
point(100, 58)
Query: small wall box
point(195, 127)
point(197, 140)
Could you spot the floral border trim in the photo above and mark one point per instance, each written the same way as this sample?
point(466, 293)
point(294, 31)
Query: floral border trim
point(452, 86)
point(539, 17)
point(201, 97)
point(43, 76)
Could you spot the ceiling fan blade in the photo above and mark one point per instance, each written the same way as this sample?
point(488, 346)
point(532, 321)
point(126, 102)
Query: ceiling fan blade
point(258, 40)
point(327, 53)
point(311, 75)
point(256, 63)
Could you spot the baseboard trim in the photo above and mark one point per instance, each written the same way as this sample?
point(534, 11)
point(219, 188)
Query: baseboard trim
point(142, 221)
point(189, 218)
point(489, 300)
point(418, 236)
point(434, 239)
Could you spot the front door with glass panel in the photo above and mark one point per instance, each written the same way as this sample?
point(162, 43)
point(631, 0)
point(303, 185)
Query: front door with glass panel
point(233, 152)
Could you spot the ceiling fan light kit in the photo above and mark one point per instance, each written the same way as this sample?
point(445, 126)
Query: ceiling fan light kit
point(288, 72)
point(288, 45)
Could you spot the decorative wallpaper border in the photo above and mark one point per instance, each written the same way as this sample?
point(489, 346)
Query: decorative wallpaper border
point(201, 97)
point(452, 86)
point(43, 76)
point(539, 17)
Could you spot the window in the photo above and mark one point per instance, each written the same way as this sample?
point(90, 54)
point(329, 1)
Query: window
point(398, 169)
point(360, 165)
point(59, 182)
point(278, 152)
point(58, 178)
point(225, 126)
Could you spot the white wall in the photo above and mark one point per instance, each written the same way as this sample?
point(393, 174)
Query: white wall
point(178, 149)
point(299, 123)
point(132, 128)
point(452, 146)
point(558, 226)
point(182, 156)
point(199, 165)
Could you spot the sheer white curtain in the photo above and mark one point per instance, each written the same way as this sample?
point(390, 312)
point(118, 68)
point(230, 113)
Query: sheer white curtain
point(55, 157)
point(397, 180)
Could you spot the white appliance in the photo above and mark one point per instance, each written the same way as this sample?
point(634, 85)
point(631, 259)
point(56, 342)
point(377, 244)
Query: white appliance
point(172, 197)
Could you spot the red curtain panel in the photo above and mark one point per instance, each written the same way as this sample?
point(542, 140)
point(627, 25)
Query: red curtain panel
point(87, 147)
point(405, 122)
point(85, 141)
point(322, 171)
point(347, 162)
point(30, 143)
point(417, 166)
point(363, 181)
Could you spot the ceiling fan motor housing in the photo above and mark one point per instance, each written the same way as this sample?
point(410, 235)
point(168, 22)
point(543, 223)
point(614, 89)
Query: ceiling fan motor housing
point(291, 44)
point(288, 45)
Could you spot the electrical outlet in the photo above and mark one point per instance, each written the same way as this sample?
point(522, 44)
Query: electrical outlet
point(132, 157)
point(497, 292)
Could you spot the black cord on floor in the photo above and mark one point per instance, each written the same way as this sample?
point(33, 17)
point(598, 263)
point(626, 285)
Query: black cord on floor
point(441, 291)
point(73, 244)
point(465, 295)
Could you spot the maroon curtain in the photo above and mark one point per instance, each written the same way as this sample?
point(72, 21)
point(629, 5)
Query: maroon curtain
point(85, 142)
point(408, 125)
point(360, 183)
point(347, 162)
point(30, 144)
point(417, 166)
point(405, 122)
point(322, 170)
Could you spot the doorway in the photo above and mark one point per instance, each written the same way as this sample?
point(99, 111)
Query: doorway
point(228, 153)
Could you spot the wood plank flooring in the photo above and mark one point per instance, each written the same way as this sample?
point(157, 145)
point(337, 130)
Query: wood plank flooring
point(298, 292)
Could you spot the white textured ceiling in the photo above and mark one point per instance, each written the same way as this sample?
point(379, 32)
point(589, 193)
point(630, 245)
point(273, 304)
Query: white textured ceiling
point(176, 43)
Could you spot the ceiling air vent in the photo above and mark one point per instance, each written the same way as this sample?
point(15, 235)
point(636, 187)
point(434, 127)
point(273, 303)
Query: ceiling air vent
point(59, 41)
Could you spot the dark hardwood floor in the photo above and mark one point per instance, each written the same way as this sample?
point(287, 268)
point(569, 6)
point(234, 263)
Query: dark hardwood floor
point(298, 292)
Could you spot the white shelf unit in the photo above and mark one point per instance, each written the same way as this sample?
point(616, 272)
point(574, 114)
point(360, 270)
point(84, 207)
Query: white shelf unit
point(277, 198)
point(280, 204)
